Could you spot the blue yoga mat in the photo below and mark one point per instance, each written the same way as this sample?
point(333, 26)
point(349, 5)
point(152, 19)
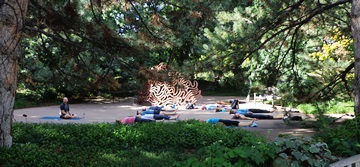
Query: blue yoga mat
point(58, 118)
point(252, 126)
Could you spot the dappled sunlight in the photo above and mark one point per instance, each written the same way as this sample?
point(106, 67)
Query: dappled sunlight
point(196, 113)
point(299, 132)
point(97, 113)
point(125, 106)
point(274, 133)
point(112, 157)
point(136, 158)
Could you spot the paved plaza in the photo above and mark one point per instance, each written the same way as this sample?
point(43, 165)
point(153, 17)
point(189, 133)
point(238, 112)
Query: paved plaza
point(109, 110)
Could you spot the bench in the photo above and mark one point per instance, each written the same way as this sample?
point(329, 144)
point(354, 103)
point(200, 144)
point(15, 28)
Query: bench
point(353, 161)
point(268, 95)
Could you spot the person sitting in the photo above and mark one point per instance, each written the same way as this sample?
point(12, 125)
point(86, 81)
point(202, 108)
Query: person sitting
point(133, 119)
point(229, 122)
point(65, 110)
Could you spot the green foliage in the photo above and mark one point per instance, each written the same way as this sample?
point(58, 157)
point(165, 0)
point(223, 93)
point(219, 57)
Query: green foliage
point(77, 51)
point(261, 42)
point(343, 140)
point(328, 107)
point(216, 154)
point(23, 103)
point(183, 143)
point(190, 134)
point(104, 144)
point(295, 151)
point(307, 108)
point(25, 99)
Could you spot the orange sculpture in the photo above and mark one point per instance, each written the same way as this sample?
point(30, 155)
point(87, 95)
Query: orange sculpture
point(174, 90)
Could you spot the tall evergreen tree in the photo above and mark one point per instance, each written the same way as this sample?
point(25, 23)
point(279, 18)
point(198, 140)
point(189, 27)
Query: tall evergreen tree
point(12, 18)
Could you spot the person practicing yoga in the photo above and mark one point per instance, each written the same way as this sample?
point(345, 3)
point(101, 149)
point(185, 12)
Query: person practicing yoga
point(65, 110)
point(250, 110)
point(229, 122)
point(213, 106)
point(190, 105)
point(158, 117)
point(133, 119)
point(158, 109)
point(249, 114)
point(252, 116)
point(154, 112)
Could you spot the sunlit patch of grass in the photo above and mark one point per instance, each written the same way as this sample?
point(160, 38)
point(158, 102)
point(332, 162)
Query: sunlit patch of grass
point(329, 107)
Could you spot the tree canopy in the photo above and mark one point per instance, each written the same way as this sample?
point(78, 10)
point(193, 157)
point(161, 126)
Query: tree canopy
point(77, 47)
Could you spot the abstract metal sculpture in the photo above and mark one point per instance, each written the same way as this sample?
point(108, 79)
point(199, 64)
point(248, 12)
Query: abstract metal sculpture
point(173, 90)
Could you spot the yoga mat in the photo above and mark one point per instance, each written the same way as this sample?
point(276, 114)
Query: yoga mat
point(57, 118)
point(252, 125)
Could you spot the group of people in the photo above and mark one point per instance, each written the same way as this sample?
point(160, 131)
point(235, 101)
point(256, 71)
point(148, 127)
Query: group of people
point(241, 113)
point(154, 113)
point(150, 114)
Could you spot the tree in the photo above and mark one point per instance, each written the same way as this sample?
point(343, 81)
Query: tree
point(273, 45)
point(96, 41)
point(355, 27)
point(74, 51)
point(12, 18)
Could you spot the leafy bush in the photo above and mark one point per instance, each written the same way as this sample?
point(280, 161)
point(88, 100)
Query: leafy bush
point(257, 154)
point(190, 134)
point(183, 143)
point(295, 151)
point(328, 107)
point(307, 108)
point(283, 152)
point(104, 144)
point(343, 140)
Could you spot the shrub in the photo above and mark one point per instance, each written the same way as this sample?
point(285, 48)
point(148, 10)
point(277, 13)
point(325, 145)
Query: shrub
point(328, 107)
point(216, 154)
point(183, 143)
point(343, 140)
point(307, 108)
point(190, 134)
point(295, 151)
point(104, 144)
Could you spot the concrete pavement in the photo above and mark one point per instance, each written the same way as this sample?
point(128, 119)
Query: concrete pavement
point(108, 111)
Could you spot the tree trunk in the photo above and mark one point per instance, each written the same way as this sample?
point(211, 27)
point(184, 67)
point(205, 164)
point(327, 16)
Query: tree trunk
point(355, 28)
point(12, 18)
